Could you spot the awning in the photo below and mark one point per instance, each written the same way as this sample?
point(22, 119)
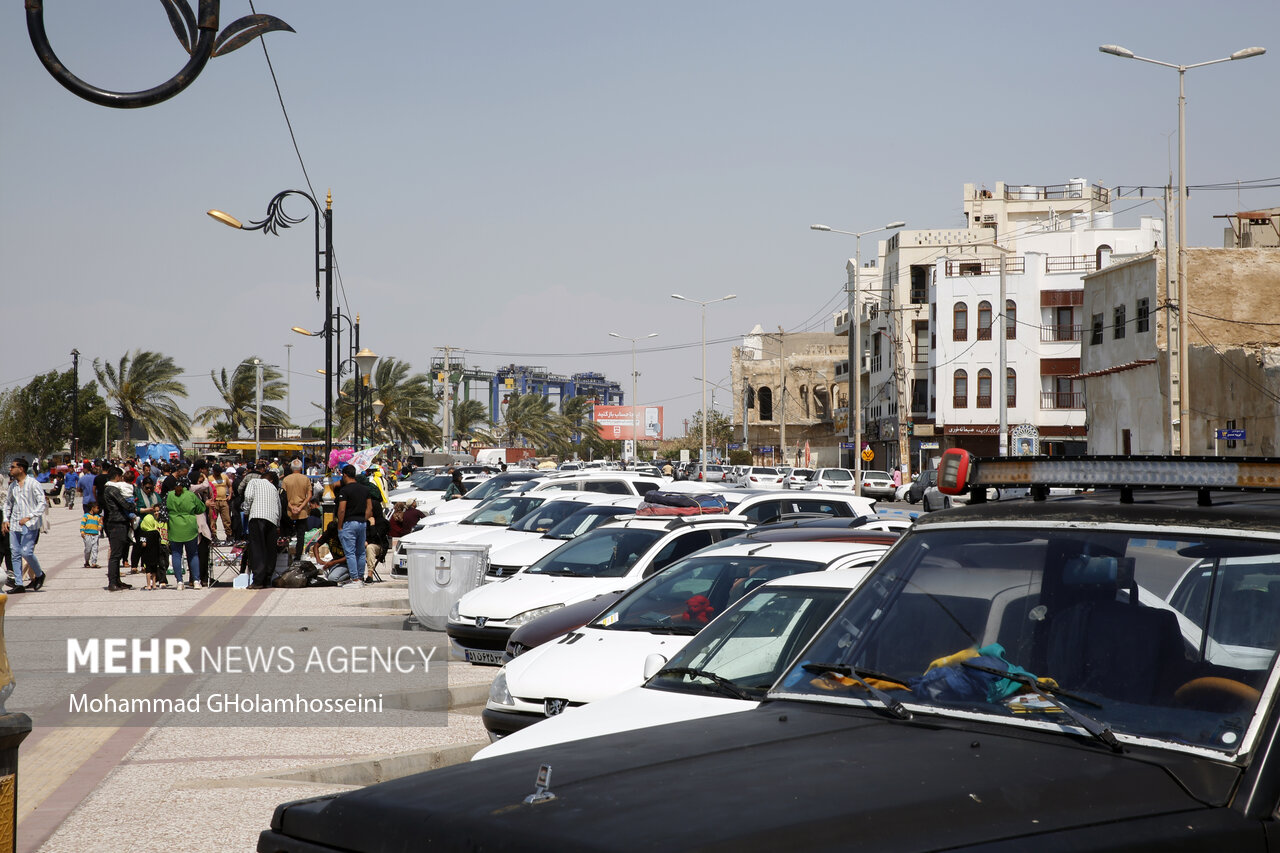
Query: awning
point(274, 445)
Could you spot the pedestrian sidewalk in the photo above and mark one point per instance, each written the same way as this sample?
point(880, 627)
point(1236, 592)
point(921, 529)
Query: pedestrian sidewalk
point(141, 787)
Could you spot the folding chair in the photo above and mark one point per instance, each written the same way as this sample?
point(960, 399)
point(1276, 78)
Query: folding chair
point(223, 559)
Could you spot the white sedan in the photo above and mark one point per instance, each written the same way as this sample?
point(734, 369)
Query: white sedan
point(709, 676)
point(658, 617)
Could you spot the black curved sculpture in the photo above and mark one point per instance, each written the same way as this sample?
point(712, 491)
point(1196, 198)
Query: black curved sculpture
point(197, 33)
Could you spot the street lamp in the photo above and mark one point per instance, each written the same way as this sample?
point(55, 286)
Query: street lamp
point(854, 425)
point(365, 359)
point(275, 220)
point(704, 303)
point(1184, 317)
point(635, 435)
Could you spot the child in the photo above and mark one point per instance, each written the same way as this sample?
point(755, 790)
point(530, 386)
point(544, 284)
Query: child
point(90, 529)
point(154, 533)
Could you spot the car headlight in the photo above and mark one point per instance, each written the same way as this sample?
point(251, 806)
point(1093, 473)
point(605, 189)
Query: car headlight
point(529, 615)
point(498, 692)
point(454, 613)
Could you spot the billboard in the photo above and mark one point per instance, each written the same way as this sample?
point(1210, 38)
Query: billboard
point(615, 422)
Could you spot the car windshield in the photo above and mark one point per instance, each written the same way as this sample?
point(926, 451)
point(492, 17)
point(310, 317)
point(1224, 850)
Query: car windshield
point(837, 474)
point(752, 643)
point(1151, 635)
point(876, 475)
point(431, 482)
point(607, 552)
point(802, 472)
point(487, 489)
point(502, 511)
point(546, 516)
point(766, 472)
point(688, 594)
point(586, 519)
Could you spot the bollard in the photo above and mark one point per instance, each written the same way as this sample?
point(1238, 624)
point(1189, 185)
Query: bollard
point(14, 728)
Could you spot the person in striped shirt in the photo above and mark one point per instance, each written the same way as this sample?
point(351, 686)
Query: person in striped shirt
point(90, 530)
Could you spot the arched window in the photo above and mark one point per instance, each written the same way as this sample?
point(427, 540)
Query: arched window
point(984, 389)
point(1010, 319)
point(1011, 388)
point(766, 403)
point(960, 322)
point(984, 321)
point(960, 390)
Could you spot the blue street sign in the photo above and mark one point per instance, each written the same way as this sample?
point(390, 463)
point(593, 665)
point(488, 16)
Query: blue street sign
point(766, 449)
point(848, 445)
point(735, 446)
point(1231, 435)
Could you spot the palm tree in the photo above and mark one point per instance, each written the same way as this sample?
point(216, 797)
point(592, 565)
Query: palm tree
point(142, 387)
point(577, 431)
point(408, 405)
point(239, 393)
point(470, 421)
point(529, 418)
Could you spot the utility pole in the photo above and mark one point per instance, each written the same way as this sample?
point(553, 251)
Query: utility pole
point(782, 398)
point(448, 400)
point(75, 405)
point(288, 385)
point(257, 414)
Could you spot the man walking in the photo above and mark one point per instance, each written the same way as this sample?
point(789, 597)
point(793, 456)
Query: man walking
point(116, 521)
point(69, 486)
point(355, 514)
point(262, 508)
point(24, 507)
point(297, 492)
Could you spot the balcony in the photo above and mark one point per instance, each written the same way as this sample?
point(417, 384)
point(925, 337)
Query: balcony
point(1070, 263)
point(985, 266)
point(960, 401)
point(1061, 334)
point(1061, 399)
point(983, 401)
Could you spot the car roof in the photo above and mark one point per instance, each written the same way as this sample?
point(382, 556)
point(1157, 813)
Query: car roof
point(820, 552)
point(1230, 511)
point(839, 579)
point(668, 522)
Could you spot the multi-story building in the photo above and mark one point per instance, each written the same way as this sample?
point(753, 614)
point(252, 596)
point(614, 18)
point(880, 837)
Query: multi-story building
point(1233, 359)
point(931, 308)
point(786, 392)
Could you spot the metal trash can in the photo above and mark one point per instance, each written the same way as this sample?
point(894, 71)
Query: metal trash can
point(14, 729)
point(441, 574)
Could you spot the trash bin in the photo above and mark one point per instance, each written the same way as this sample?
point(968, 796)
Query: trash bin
point(441, 574)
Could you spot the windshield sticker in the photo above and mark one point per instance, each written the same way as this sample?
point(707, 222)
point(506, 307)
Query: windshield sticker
point(610, 619)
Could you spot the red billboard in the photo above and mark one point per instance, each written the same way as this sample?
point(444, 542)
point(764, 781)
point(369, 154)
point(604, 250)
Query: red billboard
point(616, 422)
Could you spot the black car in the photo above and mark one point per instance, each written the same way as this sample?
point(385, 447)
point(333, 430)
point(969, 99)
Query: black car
point(915, 493)
point(1085, 673)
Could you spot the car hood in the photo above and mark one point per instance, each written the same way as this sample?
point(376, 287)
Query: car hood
point(635, 708)
point(524, 552)
point(812, 776)
point(528, 592)
point(598, 664)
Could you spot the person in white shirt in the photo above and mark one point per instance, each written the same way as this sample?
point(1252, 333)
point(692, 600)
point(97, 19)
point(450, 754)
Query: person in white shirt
point(24, 508)
point(262, 507)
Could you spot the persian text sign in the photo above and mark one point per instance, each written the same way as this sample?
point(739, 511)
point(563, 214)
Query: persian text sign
point(616, 422)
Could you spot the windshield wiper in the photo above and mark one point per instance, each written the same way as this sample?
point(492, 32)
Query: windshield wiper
point(557, 573)
point(893, 705)
point(1094, 727)
point(720, 681)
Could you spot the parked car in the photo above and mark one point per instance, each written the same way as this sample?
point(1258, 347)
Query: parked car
point(1000, 680)
point(877, 484)
point(657, 617)
point(509, 559)
point(770, 623)
point(756, 477)
point(612, 558)
point(714, 473)
point(916, 491)
point(831, 479)
point(796, 478)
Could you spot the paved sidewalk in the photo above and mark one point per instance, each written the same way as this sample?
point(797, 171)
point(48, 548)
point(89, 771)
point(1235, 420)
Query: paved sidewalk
point(141, 787)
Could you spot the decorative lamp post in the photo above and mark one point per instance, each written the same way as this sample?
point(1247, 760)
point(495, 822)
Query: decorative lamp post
point(275, 220)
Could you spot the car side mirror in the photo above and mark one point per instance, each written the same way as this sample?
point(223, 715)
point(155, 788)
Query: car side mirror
point(653, 664)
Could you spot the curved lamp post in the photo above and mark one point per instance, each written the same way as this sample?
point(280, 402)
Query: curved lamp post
point(635, 437)
point(197, 33)
point(1184, 318)
point(702, 464)
point(855, 346)
point(275, 220)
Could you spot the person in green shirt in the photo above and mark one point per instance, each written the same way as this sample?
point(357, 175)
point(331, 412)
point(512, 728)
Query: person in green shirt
point(184, 532)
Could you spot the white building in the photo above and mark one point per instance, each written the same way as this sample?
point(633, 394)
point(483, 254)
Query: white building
point(932, 305)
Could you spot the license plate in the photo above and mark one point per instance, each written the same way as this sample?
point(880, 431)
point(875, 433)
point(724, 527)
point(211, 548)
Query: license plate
point(484, 658)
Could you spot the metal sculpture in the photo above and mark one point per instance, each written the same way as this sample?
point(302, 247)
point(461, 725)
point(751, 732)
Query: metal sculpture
point(198, 35)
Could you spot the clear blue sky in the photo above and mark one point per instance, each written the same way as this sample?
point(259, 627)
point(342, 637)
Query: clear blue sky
point(525, 177)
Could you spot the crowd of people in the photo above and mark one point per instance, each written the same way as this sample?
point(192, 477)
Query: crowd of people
point(160, 517)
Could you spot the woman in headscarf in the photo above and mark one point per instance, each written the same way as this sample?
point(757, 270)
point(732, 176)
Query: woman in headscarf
point(184, 507)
